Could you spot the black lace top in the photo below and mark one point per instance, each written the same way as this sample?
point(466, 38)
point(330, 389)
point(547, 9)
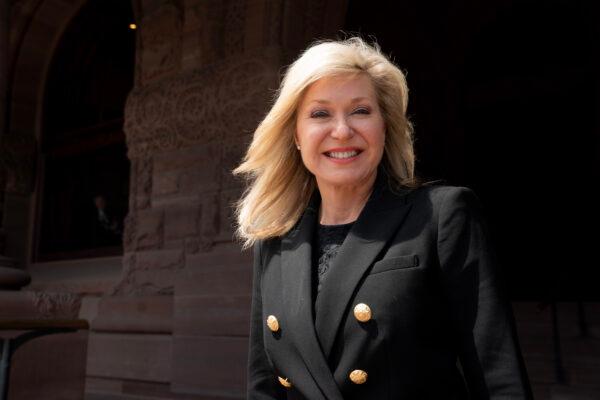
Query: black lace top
point(328, 240)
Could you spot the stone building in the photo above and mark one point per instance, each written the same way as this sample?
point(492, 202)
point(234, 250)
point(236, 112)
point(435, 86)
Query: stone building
point(151, 121)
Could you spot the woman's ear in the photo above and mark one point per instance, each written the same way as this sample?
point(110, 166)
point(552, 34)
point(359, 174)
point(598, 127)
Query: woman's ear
point(296, 142)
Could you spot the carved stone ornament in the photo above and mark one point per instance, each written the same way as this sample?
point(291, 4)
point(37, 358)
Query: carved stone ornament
point(160, 48)
point(218, 102)
point(56, 305)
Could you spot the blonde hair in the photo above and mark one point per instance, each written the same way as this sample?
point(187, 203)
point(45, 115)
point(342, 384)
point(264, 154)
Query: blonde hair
point(280, 186)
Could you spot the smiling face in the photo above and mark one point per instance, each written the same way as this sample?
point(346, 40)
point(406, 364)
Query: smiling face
point(340, 131)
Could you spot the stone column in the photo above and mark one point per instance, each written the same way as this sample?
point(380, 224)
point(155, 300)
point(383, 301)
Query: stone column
point(9, 277)
point(3, 63)
point(3, 87)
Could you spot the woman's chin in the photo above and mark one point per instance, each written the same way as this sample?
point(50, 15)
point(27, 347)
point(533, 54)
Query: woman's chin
point(346, 180)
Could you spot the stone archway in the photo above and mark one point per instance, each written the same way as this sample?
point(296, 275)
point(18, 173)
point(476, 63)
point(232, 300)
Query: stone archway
point(35, 29)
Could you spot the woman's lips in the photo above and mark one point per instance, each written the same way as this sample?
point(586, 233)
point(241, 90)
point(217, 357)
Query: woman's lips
point(342, 155)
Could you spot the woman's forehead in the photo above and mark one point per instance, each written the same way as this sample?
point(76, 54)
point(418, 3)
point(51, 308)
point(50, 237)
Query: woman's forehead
point(348, 88)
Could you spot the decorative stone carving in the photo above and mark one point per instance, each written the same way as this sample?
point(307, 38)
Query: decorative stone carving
point(140, 184)
point(129, 232)
point(218, 102)
point(161, 38)
point(193, 109)
point(57, 305)
point(214, 29)
point(149, 229)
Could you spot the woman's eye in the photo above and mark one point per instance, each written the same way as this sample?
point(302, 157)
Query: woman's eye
point(362, 110)
point(319, 114)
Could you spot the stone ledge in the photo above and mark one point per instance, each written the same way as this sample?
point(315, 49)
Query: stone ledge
point(92, 276)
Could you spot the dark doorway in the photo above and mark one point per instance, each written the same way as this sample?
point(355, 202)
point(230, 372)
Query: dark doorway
point(85, 170)
point(503, 98)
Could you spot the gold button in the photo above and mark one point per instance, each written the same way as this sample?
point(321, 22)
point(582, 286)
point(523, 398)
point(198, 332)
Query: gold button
point(362, 312)
point(284, 382)
point(358, 376)
point(272, 323)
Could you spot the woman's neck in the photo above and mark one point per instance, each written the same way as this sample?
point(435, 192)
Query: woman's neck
point(343, 204)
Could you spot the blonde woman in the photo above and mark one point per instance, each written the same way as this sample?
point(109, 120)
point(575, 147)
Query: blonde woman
point(367, 283)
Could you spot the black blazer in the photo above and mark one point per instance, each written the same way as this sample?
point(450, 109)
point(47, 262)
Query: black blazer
point(422, 261)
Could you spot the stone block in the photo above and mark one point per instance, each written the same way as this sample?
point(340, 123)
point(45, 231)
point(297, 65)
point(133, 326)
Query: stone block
point(150, 314)
point(90, 276)
point(149, 228)
point(165, 183)
point(182, 221)
point(129, 356)
point(216, 281)
point(161, 282)
point(225, 270)
point(222, 254)
point(212, 315)
point(89, 308)
point(189, 158)
point(211, 216)
point(190, 170)
point(153, 260)
point(108, 389)
point(205, 178)
point(213, 366)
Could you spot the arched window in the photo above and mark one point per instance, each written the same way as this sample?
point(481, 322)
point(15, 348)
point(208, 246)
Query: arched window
point(84, 169)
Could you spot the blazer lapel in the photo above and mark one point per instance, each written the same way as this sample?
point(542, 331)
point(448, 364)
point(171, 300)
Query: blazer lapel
point(381, 217)
point(296, 265)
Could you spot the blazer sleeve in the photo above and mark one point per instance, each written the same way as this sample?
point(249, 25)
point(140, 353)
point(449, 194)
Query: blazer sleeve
point(261, 383)
point(482, 317)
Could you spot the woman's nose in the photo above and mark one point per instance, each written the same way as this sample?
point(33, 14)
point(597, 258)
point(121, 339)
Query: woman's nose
point(342, 130)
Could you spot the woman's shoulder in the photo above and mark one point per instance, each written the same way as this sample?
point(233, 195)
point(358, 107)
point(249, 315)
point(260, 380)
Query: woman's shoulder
point(265, 247)
point(440, 193)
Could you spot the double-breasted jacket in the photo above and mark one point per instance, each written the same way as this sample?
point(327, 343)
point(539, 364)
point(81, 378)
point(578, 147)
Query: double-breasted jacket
point(439, 324)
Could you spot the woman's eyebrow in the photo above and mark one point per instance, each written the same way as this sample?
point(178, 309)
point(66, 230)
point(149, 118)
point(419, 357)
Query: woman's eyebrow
point(325, 101)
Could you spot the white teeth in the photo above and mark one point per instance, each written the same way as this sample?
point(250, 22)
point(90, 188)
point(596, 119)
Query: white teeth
point(342, 154)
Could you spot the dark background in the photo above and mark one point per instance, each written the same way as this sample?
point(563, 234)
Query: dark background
point(503, 96)
point(84, 153)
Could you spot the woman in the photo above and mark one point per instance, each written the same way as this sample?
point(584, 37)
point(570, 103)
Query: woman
point(367, 284)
